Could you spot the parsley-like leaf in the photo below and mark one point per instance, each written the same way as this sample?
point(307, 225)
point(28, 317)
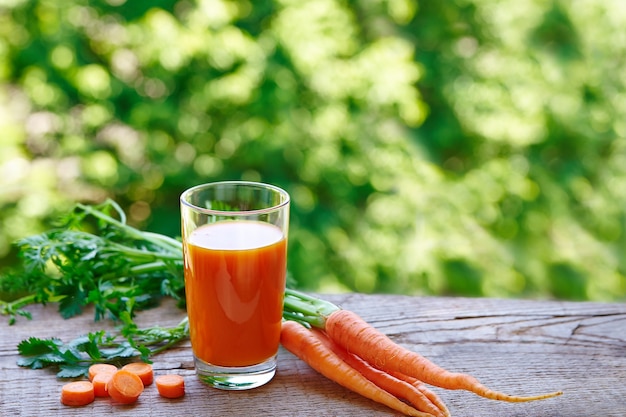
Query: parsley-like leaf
point(40, 353)
point(75, 357)
point(35, 346)
point(72, 371)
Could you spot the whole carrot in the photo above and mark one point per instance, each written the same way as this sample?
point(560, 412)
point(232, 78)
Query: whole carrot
point(389, 383)
point(356, 335)
point(304, 344)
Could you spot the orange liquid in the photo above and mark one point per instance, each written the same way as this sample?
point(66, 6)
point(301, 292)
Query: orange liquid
point(234, 282)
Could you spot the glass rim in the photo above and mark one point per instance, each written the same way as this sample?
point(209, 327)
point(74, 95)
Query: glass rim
point(214, 212)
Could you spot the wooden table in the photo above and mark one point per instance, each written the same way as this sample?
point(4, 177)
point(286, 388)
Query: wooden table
point(516, 346)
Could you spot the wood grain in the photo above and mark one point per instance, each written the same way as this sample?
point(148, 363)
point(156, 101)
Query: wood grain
point(517, 346)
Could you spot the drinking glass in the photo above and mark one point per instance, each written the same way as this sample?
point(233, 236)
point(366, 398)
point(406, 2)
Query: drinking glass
point(235, 259)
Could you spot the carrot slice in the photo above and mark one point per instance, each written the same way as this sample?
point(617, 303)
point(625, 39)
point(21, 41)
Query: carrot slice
point(100, 382)
point(77, 393)
point(142, 370)
point(125, 387)
point(101, 367)
point(170, 385)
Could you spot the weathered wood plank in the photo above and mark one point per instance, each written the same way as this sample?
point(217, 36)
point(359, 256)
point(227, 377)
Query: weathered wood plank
point(517, 346)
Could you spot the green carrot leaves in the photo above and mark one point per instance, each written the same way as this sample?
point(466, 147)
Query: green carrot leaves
point(93, 258)
point(74, 358)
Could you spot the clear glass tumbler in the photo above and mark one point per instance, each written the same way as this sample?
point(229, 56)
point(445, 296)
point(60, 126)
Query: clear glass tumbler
point(235, 255)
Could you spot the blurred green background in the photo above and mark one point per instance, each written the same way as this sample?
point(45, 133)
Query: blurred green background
point(463, 147)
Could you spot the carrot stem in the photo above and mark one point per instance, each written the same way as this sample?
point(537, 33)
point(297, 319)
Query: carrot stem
point(306, 309)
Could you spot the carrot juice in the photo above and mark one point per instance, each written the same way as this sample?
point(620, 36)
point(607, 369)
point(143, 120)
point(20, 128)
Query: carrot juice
point(234, 280)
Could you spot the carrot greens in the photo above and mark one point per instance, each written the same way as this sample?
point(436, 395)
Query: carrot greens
point(94, 258)
point(74, 358)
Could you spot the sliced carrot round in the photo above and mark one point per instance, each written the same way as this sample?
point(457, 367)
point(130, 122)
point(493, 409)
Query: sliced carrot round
point(142, 370)
point(100, 382)
point(125, 387)
point(170, 385)
point(101, 367)
point(77, 393)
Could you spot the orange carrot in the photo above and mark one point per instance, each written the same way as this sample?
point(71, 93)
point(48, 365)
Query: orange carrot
point(357, 336)
point(389, 383)
point(100, 382)
point(142, 370)
point(125, 387)
point(170, 385)
point(100, 367)
point(304, 344)
point(77, 393)
point(434, 398)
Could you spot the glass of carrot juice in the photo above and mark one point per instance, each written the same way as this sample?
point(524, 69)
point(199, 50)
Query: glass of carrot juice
point(235, 257)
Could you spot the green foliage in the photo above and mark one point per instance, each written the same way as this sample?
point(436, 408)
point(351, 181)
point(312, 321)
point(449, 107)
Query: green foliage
point(117, 268)
point(461, 147)
point(73, 359)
